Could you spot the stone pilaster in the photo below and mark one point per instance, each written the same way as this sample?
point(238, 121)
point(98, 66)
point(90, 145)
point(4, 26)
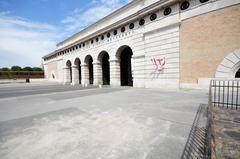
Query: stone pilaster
point(75, 75)
point(85, 75)
point(115, 72)
point(97, 73)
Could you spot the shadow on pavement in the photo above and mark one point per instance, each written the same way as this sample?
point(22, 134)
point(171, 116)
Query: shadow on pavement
point(196, 142)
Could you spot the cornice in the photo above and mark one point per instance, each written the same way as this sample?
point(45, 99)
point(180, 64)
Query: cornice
point(136, 15)
point(101, 20)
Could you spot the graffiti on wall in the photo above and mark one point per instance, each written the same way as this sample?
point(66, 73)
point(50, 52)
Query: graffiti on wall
point(159, 63)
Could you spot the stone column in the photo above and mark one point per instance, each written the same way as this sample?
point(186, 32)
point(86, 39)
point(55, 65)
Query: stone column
point(115, 72)
point(85, 75)
point(66, 74)
point(75, 75)
point(97, 73)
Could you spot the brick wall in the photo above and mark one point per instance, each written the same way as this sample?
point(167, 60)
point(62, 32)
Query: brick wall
point(205, 40)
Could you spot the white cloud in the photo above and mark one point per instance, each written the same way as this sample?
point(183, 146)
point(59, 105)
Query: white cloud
point(25, 41)
point(80, 19)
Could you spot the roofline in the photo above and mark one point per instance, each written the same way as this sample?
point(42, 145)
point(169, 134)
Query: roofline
point(126, 20)
point(102, 19)
point(50, 54)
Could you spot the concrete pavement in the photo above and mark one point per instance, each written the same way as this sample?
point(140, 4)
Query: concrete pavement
point(107, 123)
point(24, 89)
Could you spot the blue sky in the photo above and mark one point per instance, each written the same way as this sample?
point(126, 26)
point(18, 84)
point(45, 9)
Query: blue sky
point(30, 29)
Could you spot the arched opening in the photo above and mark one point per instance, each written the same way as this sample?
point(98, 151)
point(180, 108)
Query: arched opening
point(104, 59)
point(233, 67)
point(89, 62)
point(69, 72)
point(125, 56)
point(237, 75)
point(77, 63)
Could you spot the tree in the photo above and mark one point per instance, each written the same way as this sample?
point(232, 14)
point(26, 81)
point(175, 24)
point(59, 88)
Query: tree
point(16, 68)
point(5, 69)
point(27, 68)
point(37, 69)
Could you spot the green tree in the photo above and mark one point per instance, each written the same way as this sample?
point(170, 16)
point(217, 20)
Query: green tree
point(37, 69)
point(5, 69)
point(27, 68)
point(16, 68)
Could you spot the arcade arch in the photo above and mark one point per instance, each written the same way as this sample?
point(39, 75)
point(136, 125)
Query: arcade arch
point(124, 55)
point(89, 68)
point(103, 58)
point(230, 66)
point(68, 72)
point(237, 75)
point(78, 75)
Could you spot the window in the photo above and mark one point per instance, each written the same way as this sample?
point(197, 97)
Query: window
point(185, 5)
point(123, 29)
point(153, 17)
point(102, 37)
point(167, 11)
point(115, 32)
point(97, 39)
point(131, 26)
point(141, 22)
point(203, 1)
point(108, 35)
point(91, 41)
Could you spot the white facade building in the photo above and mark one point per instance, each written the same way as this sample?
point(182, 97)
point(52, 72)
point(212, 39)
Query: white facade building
point(152, 44)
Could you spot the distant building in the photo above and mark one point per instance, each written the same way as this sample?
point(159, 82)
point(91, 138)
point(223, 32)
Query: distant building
point(153, 44)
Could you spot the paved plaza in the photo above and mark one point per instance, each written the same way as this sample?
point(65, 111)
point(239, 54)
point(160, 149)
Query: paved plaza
point(53, 121)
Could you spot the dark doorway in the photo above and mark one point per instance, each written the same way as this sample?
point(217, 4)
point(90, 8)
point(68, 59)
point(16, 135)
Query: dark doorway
point(237, 74)
point(125, 67)
point(90, 67)
point(78, 64)
point(80, 73)
point(69, 66)
point(70, 74)
point(105, 69)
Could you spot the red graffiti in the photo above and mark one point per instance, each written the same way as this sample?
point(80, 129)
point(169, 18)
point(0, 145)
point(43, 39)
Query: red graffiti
point(159, 63)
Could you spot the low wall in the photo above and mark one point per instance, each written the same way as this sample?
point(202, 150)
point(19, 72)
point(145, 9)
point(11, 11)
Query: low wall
point(20, 74)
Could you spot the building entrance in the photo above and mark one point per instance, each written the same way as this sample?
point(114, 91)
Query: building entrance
point(126, 67)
